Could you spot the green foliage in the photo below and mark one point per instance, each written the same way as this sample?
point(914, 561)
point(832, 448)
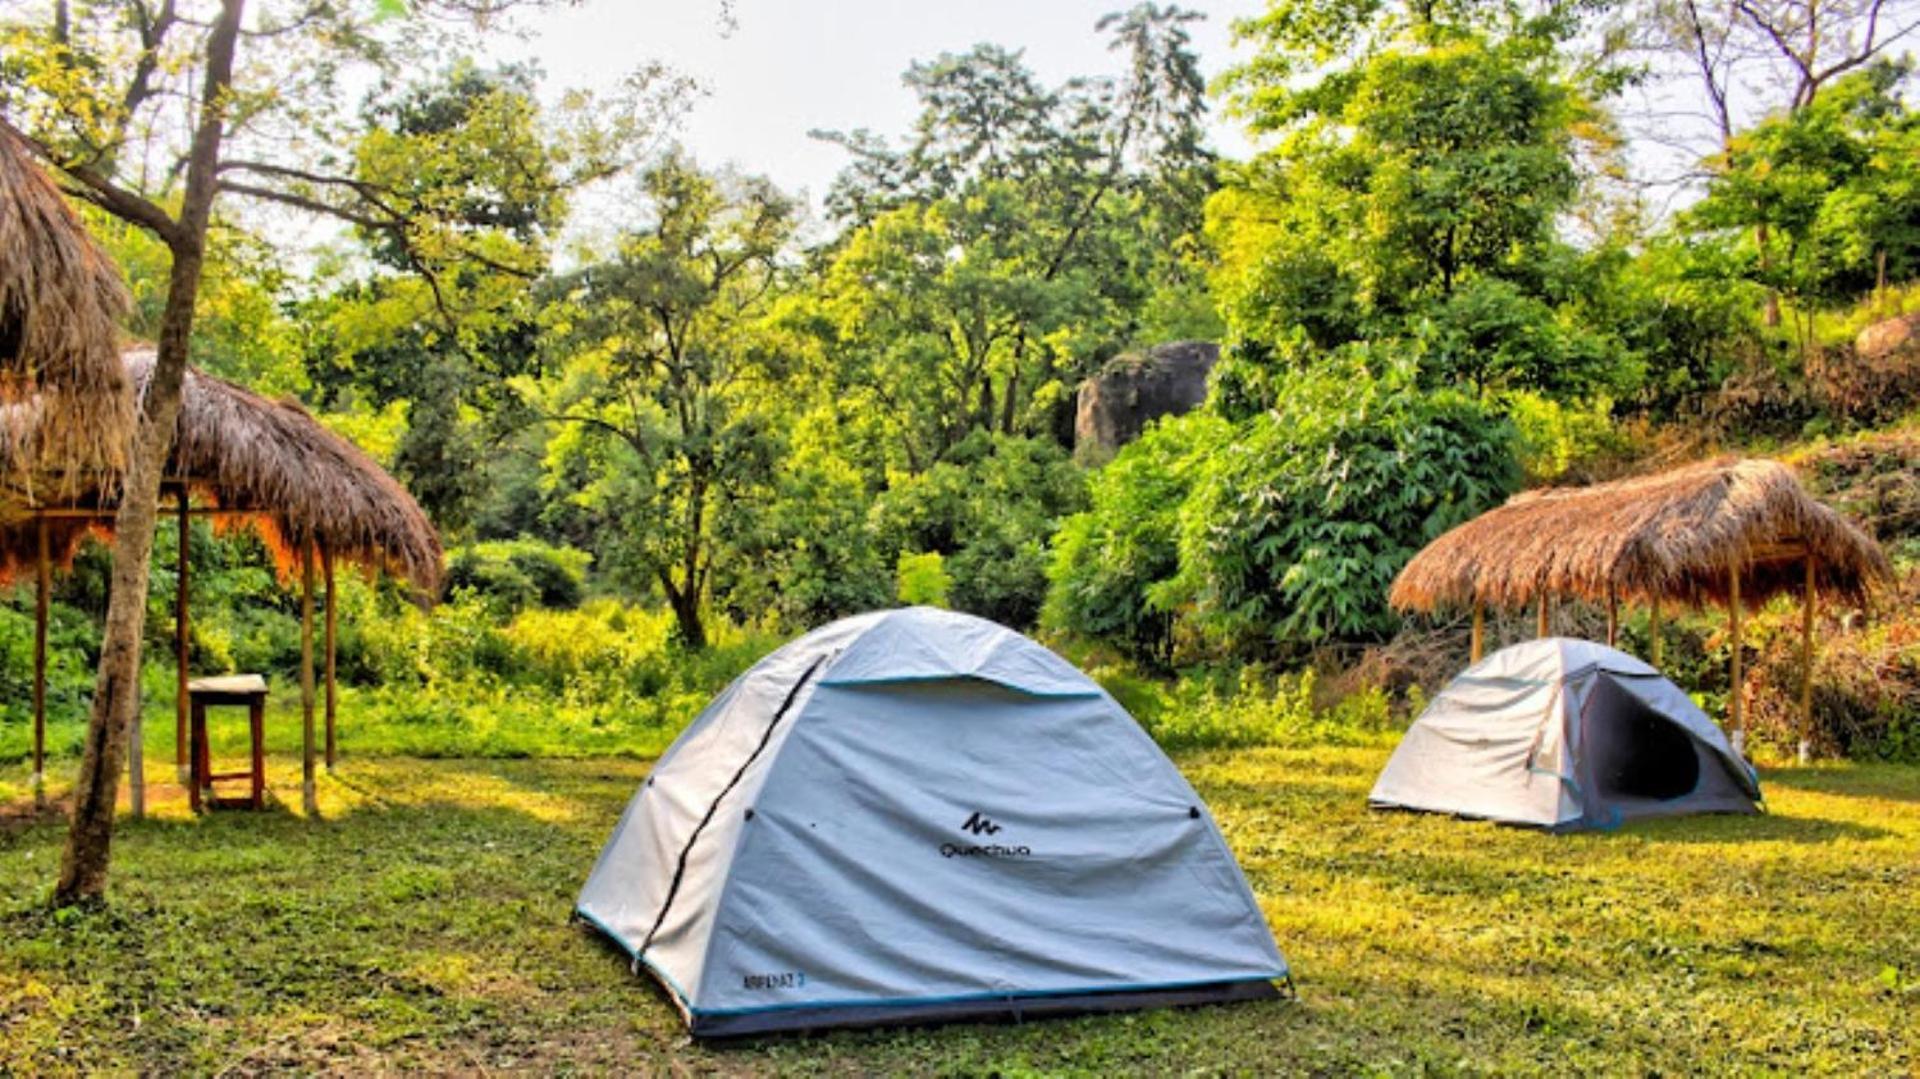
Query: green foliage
point(1299, 524)
point(989, 509)
point(510, 575)
point(72, 649)
point(920, 579)
point(670, 390)
point(1021, 236)
point(1107, 559)
point(1238, 708)
point(500, 585)
point(810, 556)
point(1412, 201)
point(1553, 440)
point(1819, 194)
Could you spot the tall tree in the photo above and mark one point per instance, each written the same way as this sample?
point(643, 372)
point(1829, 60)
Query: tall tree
point(1836, 185)
point(672, 364)
point(1021, 234)
point(1750, 59)
point(1412, 202)
point(95, 86)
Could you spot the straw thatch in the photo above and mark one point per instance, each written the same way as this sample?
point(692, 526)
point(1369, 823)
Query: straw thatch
point(1672, 536)
point(275, 469)
point(61, 300)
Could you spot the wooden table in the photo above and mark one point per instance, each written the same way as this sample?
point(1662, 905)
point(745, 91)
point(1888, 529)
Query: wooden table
point(249, 690)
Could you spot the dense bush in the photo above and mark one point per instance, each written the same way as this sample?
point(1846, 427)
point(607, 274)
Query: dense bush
point(921, 579)
point(1107, 559)
point(72, 651)
point(811, 557)
point(1298, 525)
point(988, 509)
point(511, 575)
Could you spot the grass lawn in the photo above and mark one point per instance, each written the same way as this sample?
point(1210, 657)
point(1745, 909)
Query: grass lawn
point(423, 923)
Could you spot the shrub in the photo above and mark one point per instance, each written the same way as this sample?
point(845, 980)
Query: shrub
point(72, 652)
point(1298, 524)
point(500, 586)
point(1107, 559)
point(810, 557)
point(512, 575)
point(988, 509)
point(1245, 706)
point(1554, 439)
point(922, 579)
point(556, 586)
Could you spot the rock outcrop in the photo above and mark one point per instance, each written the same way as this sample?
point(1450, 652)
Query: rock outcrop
point(1116, 404)
point(1882, 338)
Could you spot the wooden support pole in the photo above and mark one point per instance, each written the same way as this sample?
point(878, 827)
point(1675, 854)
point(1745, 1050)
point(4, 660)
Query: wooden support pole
point(1479, 630)
point(1809, 603)
point(326, 568)
point(1736, 712)
point(1544, 618)
point(137, 755)
point(43, 583)
point(1653, 630)
point(182, 637)
point(308, 801)
point(1613, 618)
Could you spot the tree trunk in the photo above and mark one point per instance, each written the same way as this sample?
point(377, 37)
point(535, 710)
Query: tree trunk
point(116, 695)
point(1771, 315)
point(686, 613)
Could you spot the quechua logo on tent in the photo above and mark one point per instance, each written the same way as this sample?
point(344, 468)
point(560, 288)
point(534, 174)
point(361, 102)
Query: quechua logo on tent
point(979, 824)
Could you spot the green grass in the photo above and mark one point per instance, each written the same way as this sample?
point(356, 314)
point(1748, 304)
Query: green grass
point(423, 923)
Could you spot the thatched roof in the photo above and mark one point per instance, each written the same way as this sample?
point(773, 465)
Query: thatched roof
point(60, 305)
point(280, 472)
point(1671, 536)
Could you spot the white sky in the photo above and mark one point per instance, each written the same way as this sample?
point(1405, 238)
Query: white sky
point(790, 66)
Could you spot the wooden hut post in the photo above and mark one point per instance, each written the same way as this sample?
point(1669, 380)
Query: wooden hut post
point(1809, 602)
point(1544, 618)
point(1653, 630)
point(1613, 617)
point(1736, 717)
point(308, 801)
point(43, 581)
point(182, 637)
point(1479, 630)
point(332, 637)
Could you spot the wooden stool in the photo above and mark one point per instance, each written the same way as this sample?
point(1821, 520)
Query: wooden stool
point(239, 689)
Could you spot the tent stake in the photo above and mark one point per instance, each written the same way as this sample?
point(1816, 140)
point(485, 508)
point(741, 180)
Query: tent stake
point(42, 583)
point(1479, 629)
point(182, 637)
point(1809, 602)
point(307, 798)
point(1736, 717)
point(326, 567)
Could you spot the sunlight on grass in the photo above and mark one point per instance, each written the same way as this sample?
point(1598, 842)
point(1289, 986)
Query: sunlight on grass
point(424, 922)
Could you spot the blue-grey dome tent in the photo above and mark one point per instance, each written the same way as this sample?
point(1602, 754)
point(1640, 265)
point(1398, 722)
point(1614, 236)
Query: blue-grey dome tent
point(915, 816)
point(1565, 734)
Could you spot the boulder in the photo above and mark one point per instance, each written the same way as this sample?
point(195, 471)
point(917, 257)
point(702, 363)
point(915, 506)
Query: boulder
point(1882, 338)
point(1136, 387)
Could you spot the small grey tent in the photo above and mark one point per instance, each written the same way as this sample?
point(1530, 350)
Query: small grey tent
point(1565, 734)
point(914, 816)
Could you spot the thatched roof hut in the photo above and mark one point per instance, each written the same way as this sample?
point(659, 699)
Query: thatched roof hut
point(1672, 536)
point(61, 300)
point(272, 466)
